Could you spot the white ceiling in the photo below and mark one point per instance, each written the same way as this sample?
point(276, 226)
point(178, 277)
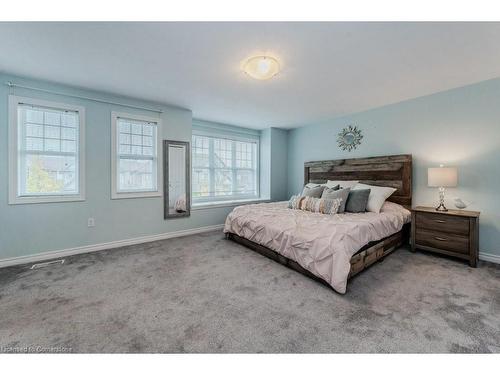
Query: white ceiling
point(329, 69)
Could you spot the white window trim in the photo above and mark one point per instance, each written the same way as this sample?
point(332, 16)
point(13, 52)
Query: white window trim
point(200, 202)
point(14, 198)
point(159, 157)
point(233, 203)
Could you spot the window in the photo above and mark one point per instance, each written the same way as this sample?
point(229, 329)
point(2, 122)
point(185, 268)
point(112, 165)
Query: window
point(136, 170)
point(224, 169)
point(46, 151)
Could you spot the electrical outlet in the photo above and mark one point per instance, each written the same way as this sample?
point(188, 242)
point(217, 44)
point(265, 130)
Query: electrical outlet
point(91, 222)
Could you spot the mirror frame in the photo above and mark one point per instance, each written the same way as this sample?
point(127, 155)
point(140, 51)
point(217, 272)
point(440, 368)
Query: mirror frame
point(166, 213)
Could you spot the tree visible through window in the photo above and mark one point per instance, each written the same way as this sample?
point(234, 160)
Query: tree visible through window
point(40, 180)
point(48, 142)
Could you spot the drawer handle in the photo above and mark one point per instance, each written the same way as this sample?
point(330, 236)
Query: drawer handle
point(439, 221)
point(440, 239)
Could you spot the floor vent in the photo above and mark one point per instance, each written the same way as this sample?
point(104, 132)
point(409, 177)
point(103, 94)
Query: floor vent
point(46, 264)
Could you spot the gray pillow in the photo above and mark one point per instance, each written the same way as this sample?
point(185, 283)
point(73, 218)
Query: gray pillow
point(357, 200)
point(333, 193)
point(314, 191)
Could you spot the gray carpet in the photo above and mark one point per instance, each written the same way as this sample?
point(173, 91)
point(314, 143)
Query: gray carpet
point(203, 293)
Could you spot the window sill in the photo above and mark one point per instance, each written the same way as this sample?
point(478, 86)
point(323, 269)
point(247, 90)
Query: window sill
point(46, 199)
point(151, 194)
point(205, 206)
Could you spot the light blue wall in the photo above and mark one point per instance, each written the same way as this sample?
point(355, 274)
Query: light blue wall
point(34, 228)
point(273, 164)
point(460, 127)
point(265, 163)
point(219, 129)
point(278, 164)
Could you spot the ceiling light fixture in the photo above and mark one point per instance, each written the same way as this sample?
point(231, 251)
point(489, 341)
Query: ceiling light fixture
point(261, 67)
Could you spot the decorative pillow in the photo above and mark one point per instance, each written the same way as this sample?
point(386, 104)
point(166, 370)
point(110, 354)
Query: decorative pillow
point(341, 194)
point(357, 200)
point(378, 196)
point(314, 192)
point(294, 202)
point(342, 184)
point(312, 184)
point(323, 206)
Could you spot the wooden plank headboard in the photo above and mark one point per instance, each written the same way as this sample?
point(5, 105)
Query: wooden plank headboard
point(392, 171)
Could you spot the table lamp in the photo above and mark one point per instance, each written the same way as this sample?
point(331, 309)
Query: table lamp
point(442, 178)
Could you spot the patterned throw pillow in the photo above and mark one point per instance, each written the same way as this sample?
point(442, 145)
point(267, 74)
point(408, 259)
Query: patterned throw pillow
point(324, 206)
point(294, 202)
point(342, 194)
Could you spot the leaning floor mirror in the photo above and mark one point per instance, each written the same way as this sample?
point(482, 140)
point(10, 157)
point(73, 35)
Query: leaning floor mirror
point(177, 185)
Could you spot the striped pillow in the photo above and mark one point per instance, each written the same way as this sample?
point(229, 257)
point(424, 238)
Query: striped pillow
point(294, 202)
point(323, 206)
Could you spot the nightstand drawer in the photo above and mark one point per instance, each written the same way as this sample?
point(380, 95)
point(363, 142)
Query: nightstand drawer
point(441, 240)
point(443, 223)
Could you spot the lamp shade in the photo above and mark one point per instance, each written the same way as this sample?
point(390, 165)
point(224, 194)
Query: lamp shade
point(442, 177)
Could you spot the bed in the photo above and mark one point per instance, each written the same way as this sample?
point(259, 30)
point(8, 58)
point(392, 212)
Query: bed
point(331, 248)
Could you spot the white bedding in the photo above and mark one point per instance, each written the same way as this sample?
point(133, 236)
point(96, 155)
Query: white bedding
point(322, 244)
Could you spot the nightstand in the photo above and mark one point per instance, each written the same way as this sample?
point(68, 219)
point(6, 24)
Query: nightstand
point(454, 232)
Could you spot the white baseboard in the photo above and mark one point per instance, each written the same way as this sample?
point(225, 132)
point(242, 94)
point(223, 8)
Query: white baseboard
point(103, 246)
point(490, 257)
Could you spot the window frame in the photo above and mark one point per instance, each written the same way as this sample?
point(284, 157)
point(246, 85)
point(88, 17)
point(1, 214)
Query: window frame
point(14, 160)
point(227, 199)
point(115, 194)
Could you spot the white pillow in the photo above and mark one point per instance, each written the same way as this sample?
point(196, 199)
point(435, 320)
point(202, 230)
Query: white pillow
point(343, 184)
point(378, 195)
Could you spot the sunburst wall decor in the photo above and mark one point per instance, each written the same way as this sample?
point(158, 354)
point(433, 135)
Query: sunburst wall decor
point(349, 138)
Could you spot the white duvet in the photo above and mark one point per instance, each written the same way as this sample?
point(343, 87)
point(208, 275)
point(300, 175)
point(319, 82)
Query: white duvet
point(322, 244)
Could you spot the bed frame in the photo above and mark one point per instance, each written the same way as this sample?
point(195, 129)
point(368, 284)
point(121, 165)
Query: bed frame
point(390, 171)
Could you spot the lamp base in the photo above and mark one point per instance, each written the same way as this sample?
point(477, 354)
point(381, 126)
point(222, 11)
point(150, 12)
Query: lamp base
point(441, 208)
